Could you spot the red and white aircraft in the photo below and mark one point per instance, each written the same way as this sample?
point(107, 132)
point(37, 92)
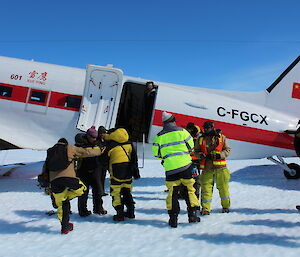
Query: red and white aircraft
point(42, 102)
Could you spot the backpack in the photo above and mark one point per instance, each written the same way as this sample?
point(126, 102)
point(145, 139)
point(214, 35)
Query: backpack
point(133, 163)
point(57, 158)
point(43, 178)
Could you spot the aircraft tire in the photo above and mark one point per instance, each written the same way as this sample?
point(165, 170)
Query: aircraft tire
point(293, 166)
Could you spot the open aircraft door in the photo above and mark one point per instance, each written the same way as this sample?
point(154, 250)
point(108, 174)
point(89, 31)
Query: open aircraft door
point(100, 98)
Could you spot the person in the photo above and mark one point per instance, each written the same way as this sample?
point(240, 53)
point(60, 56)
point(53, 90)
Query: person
point(64, 183)
point(173, 145)
point(122, 167)
point(195, 132)
point(103, 158)
point(89, 170)
point(44, 182)
point(212, 149)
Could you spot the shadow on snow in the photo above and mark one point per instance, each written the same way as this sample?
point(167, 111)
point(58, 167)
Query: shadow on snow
point(268, 223)
point(264, 175)
point(106, 219)
point(258, 239)
point(23, 227)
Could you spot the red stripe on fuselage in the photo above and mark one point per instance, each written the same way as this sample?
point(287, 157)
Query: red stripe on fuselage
point(57, 99)
point(235, 132)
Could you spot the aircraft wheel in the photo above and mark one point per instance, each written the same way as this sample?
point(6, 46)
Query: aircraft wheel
point(294, 167)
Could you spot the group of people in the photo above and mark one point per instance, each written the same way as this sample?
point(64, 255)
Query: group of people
point(193, 159)
point(73, 169)
point(183, 154)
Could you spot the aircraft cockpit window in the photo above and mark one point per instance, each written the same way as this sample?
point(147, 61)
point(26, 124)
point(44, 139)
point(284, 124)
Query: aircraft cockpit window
point(38, 97)
point(5, 91)
point(73, 102)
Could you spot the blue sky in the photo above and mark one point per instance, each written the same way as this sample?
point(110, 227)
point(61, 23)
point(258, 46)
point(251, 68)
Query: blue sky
point(228, 44)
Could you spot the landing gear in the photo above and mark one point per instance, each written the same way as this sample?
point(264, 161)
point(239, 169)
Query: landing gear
point(294, 167)
point(290, 171)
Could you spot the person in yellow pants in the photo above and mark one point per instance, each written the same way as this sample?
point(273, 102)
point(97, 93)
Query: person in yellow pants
point(212, 148)
point(65, 189)
point(207, 178)
point(63, 181)
point(123, 167)
point(173, 146)
point(186, 187)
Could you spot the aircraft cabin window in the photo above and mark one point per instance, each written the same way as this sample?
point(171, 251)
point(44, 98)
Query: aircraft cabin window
point(73, 102)
point(5, 91)
point(38, 96)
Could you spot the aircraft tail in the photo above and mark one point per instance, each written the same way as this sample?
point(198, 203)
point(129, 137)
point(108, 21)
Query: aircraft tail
point(284, 94)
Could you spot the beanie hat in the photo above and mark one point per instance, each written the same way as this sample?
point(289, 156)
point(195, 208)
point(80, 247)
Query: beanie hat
point(92, 132)
point(208, 124)
point(167, 117)
point(102, 130)
point(79, 139)
point(63, 140)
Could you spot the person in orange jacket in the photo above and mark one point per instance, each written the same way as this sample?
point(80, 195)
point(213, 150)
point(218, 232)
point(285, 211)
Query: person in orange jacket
point(195, 132)
point(212, 148)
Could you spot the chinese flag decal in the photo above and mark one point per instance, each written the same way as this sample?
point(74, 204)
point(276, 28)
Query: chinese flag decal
point(296, 91)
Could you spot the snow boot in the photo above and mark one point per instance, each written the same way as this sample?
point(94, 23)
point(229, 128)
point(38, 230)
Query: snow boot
point(66, 229)
point(120, 213)
point(193, 218)
point(204, 213)
point(225, 210)
point(100, 211)
point(129, 213)
point(85, 213)
point(173, 220)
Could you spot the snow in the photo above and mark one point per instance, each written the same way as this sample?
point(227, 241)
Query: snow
point(263, 220)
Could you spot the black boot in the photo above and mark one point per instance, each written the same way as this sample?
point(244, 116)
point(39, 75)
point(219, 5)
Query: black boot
point(127, 200)
point(173, 220)
point(120, 213)
point(130, 213)
point(66, 228)
point(82, 205)
point(192, 215)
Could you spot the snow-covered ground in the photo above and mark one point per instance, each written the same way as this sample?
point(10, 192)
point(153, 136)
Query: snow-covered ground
point(263, 220)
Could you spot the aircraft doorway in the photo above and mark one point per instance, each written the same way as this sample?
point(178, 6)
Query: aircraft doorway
point(136, 110)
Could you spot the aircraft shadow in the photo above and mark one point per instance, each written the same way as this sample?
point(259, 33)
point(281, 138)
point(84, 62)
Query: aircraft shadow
point(252, 239)
point(251, 211)
point(268, 223)
point(265, 175)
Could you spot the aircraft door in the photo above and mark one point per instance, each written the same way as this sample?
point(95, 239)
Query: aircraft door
point(101, 92)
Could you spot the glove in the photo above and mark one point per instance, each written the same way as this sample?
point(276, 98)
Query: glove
point(213, 156)
point(217, 156)
point(137, 177)
point(136, 173)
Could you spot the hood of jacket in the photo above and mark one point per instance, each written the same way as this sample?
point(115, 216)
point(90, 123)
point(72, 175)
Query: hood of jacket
point(119, 135)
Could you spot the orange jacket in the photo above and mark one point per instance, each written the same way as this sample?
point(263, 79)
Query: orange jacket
point(217, 150)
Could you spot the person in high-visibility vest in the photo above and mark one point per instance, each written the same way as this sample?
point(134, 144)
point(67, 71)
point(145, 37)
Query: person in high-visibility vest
point(172, 146)
point(212, 148)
